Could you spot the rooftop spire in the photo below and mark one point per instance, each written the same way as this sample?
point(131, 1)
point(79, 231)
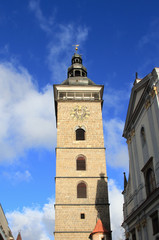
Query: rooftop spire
point(19, 236)
point(76, 47)
point(77, 73)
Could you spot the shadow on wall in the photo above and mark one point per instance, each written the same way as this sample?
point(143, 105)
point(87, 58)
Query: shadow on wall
point(101, 201)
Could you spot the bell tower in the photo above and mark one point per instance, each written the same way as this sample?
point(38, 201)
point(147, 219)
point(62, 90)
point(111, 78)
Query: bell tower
point(81, 177)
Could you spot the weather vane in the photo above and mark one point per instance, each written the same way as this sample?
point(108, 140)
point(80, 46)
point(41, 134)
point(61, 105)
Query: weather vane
point(76, 47)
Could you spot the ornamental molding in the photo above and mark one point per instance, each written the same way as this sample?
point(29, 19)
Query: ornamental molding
point(147, 104)
point(132, 133)
point(138, 227)
point(144, 222)
point(153, 92)
point(128, 140)
point(127, 234)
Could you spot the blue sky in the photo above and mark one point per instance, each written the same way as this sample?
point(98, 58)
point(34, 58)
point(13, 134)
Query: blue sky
point(117, 39)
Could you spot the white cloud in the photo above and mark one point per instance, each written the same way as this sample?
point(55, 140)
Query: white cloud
point(27, 115)
point(18, 176)
point(117, 153)
point(62, 37)
point(116, 214)
point(116, 100)
point(34, 223)
point(44, 218)
point(60, 48)
point(44, 23)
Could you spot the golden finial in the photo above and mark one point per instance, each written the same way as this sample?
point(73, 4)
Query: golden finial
point(76, 47)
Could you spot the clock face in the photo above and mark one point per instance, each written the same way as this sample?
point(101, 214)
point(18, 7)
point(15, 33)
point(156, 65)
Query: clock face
point(80, 112)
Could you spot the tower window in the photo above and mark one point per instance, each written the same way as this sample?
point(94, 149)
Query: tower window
point(77, 73)
point(82, 216)
point(81, 163)
point(80, 134)
point(81, 190)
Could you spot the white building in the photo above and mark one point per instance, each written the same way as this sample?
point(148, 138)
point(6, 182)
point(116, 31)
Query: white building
point(141, 191)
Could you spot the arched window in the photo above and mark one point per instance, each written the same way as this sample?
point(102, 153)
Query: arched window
point(81, 163)
point(80, 134)
point(81, 190)
point(143, 136)
point(150, 181)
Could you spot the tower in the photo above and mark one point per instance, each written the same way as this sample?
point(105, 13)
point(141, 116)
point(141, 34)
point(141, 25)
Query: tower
point(81, 178)
point(141, 191)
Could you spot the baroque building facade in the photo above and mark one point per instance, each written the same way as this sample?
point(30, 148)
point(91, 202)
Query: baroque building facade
point(81, 177)
point(141, 191)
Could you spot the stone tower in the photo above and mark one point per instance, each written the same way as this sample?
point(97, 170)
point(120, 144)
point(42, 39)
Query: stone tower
point(81, 178)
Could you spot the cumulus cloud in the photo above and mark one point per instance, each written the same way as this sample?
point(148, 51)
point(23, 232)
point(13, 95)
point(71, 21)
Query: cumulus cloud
point(44, 218)
point(116, 100)
point(33, 223)
point(116, 214)
point(27, 114)
point(117, 153)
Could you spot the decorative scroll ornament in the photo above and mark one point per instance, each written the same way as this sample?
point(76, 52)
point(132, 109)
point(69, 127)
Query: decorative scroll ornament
point(80, 113)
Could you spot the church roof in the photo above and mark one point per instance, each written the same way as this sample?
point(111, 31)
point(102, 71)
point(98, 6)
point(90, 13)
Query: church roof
point(99, 228)
point(19, 236)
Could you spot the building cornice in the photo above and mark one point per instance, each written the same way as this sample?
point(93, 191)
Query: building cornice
point(150, 199)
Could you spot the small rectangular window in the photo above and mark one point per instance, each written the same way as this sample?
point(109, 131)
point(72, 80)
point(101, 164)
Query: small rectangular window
point(82, 216)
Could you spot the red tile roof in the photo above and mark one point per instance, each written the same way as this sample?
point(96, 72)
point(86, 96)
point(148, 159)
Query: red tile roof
point(99, 228)
point(19, 236)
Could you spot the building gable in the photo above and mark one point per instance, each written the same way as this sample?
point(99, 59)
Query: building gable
point(140, 93)
point(137, 99)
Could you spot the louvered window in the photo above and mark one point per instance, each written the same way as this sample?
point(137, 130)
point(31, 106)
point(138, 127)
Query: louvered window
point(81, 190)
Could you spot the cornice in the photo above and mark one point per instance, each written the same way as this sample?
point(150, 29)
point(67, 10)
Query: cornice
point(152, 198)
